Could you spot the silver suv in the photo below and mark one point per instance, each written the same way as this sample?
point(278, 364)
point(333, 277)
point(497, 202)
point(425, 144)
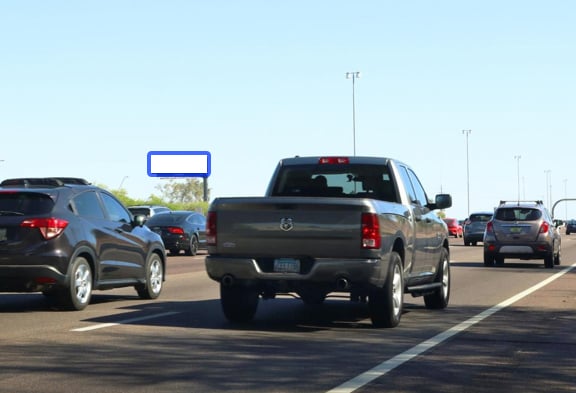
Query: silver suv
point(521, 230)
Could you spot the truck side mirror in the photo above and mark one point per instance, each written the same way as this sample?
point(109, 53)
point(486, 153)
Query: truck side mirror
point(443, 201)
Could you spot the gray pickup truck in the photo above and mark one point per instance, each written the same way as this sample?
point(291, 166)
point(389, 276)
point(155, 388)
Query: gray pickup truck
point(359, 226)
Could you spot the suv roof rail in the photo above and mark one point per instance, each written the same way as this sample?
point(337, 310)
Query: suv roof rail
point(43, 182)
point(518, 201)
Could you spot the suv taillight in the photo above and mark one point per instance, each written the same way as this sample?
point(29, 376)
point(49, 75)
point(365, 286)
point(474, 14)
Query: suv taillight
point(49, 227)
point(211, 228)
point(371, 231)
point(544, 228)
point(489, 227)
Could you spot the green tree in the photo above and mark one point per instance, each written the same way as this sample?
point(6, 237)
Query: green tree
point(183, 191)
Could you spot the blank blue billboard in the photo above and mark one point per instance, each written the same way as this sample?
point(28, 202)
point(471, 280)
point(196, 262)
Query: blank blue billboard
point(178, 164)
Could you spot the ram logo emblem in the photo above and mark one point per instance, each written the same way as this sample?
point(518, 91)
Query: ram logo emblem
point(286, 224)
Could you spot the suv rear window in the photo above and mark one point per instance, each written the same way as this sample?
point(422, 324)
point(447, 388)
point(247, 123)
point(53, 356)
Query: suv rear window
point(480, 217)
point(518, 214)
point(25, 203)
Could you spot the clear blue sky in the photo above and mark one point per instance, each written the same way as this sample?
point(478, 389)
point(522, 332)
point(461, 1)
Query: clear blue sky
point(87, 88)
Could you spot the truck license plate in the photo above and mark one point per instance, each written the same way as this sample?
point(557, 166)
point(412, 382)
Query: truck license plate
point(286, 265)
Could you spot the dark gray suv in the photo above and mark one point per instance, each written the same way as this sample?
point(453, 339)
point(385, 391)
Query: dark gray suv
point(64, 237)
point(521, 230)
point(474, 227)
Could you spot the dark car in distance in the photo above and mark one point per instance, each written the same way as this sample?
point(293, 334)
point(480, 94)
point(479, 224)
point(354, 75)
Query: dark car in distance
point(474, 227)
point(148, 210)
point(570, 226)
point(180, 230)
point(65, 238)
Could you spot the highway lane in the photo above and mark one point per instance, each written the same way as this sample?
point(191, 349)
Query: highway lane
point(182, 343)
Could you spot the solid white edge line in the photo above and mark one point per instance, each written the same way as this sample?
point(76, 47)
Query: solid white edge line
point(123, 322)
point(384, 367)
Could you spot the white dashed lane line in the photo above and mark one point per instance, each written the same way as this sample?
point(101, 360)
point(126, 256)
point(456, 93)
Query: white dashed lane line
point(123, 322)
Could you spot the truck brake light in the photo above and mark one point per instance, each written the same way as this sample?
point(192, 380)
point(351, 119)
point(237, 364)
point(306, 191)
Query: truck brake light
point(334, 160)
point(211, 228)
point(371, 238)
point(49, 227)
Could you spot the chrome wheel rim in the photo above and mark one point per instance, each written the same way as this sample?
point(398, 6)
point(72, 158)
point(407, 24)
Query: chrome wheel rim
point(82, 283)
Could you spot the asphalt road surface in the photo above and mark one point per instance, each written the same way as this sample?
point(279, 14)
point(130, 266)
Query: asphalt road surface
point(507, 329)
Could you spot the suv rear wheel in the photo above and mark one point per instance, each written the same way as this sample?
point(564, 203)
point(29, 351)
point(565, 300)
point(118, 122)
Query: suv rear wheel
point(77, 295)
point(488, 259)
point(549, 260)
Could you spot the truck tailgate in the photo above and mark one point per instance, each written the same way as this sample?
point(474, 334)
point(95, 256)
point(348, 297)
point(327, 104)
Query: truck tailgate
point(290, 227)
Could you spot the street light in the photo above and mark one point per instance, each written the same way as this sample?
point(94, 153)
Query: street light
point(517, 158)
point(467, 132)
point(353, 75)
point(122, 182)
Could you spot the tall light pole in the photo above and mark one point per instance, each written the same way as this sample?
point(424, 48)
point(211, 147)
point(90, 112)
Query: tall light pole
point(467, 133)
point(353, 75)
point(517, 158)
point(548, 196)
point(565, 202)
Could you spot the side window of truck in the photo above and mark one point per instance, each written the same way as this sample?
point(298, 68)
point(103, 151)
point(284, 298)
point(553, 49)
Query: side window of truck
point(421, 197)
point(414, 189)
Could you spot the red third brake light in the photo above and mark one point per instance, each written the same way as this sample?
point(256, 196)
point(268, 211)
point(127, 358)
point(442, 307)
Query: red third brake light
point(334, 160)
point(371, 231)
point(49, 227)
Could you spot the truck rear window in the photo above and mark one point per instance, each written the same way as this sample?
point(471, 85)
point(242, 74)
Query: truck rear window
point(350, 181)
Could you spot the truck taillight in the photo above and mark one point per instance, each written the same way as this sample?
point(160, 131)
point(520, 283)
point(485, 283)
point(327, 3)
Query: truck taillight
point(334, 160)
point(371, 231)
point(48, 227)
point(211, 228)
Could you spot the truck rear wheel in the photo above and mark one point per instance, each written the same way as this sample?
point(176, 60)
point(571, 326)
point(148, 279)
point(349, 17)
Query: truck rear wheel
point(439, 299)
point(386, 304)
point(239, 304)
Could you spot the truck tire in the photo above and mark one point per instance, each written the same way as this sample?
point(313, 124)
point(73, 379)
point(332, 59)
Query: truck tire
point(441, 296)
point(239, 304)
point(312, 297)
point(386, 304)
